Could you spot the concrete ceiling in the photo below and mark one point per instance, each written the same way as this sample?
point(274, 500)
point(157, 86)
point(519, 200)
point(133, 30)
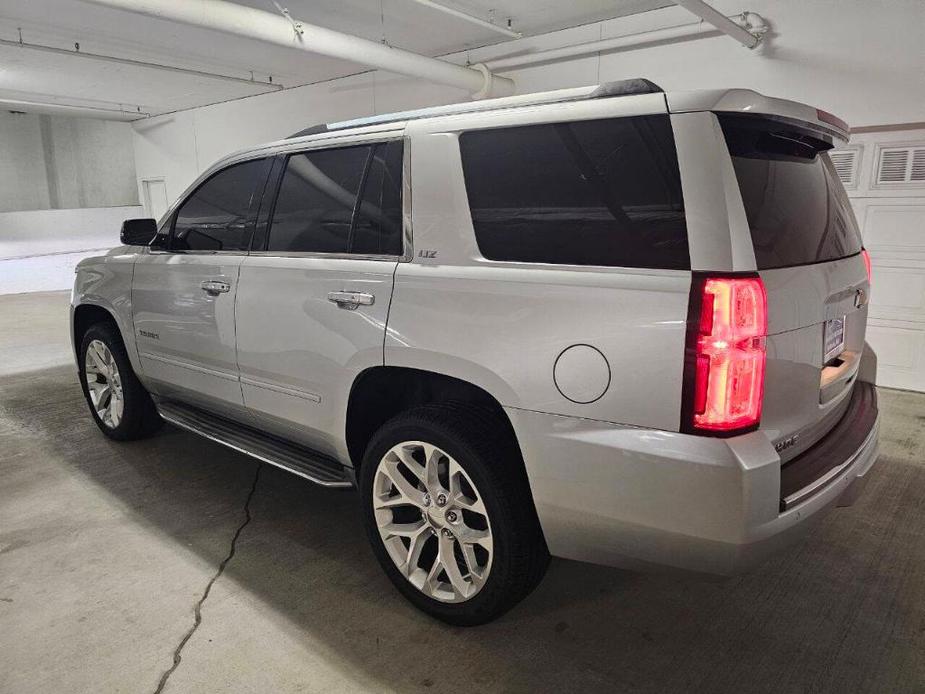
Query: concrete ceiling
point(34, 76)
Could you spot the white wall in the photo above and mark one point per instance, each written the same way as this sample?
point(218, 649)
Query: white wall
point(91, 162)
point(59, 162)
point(66, 184)
point(23, 178)
point(43, 232)
point(39, 248)
point(860, 59)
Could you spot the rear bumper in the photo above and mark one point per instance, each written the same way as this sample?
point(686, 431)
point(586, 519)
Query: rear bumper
point(639, 498)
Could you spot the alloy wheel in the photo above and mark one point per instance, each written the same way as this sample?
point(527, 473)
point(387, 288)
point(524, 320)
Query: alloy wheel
point(104, 383)
point(432, 521)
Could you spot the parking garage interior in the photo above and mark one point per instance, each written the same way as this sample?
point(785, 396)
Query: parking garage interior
point(174, 564)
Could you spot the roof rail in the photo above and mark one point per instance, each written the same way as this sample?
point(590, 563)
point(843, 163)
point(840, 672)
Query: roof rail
point(626, 87)
point(637, 85)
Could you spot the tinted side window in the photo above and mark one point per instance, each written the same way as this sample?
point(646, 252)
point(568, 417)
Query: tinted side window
point(378, 224)
point(317, 196)
point(219, 215)
point(604, 192)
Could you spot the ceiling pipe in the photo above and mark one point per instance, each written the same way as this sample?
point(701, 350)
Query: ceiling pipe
point(749, 39)
point(282, 30)
point(484, 23)
point(140, 63)
point(682, 32)
point(24, 106)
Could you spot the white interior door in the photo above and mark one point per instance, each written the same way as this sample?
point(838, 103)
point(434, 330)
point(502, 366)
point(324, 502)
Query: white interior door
point(888, 195)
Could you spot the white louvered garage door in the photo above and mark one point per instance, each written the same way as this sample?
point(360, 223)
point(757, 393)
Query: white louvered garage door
point(884, 173)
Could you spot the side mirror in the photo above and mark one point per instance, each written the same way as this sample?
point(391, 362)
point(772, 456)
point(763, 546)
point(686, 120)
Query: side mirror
point(138, 232)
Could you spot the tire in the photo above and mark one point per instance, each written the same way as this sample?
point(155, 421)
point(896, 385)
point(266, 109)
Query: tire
point(137, 416)
point(487, 467)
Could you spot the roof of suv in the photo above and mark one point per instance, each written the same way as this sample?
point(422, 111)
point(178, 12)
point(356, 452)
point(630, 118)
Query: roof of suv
point(608, 89)
point(724, 100)
point(743, 101)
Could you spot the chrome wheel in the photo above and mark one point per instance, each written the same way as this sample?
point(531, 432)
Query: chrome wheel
point(432, 521)
point(104, 384)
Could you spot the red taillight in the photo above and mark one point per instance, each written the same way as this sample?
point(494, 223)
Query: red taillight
point(866, 256)
point(726, 354)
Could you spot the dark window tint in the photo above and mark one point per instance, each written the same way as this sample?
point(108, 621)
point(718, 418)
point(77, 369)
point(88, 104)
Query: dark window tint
point(219, 215)
point(797, 208)
point(378, 223)
point(317, 196)
point(603, 192)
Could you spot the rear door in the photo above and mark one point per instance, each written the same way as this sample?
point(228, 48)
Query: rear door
point(808, 253)
point(312, 304)
point(184, 297)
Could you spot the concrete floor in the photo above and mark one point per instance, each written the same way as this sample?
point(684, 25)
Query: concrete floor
point(106, 551)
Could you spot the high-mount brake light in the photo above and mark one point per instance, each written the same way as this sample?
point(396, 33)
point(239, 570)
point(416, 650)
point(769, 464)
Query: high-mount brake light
point(726, 354)
point(832, 119)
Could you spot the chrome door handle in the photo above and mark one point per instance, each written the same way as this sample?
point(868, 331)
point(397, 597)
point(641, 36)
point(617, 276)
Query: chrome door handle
point(350, 300)
point(215, 287)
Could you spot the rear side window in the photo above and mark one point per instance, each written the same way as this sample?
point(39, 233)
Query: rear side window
point(602, 192)
point(314, 209)
point(345, 200)
point(377, 229)
point(219, 215)
point(797, 208)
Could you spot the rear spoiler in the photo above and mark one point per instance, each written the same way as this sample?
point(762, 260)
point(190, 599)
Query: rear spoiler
point(746, 101)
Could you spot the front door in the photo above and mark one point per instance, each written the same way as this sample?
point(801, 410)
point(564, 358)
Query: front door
point(312, 307)
point(184, 297)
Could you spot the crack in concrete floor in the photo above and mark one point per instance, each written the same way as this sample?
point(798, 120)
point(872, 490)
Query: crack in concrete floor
point(177, 653)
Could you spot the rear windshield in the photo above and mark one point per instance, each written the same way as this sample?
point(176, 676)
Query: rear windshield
point(796, 206)
point(601, 192)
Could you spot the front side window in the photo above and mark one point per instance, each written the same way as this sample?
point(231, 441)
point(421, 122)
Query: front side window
point(602, 192)
point(219, 216)
point(345, 200)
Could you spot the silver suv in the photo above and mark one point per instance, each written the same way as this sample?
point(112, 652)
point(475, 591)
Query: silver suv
point(606, 323)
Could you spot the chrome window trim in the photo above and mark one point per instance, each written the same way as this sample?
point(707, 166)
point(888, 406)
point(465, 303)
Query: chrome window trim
point(243, 254)
point(288, 148)
point(629, 269)
point(407, 236)
point(273, 149)
point(332, 256)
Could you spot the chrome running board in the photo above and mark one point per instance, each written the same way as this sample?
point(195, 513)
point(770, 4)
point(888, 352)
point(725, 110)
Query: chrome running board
point(296, 459)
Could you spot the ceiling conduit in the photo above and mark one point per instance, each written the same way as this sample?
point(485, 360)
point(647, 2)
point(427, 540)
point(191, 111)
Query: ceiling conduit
point(749, 39)
point(750, 22)
point(282, 30)
point(55, 108)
